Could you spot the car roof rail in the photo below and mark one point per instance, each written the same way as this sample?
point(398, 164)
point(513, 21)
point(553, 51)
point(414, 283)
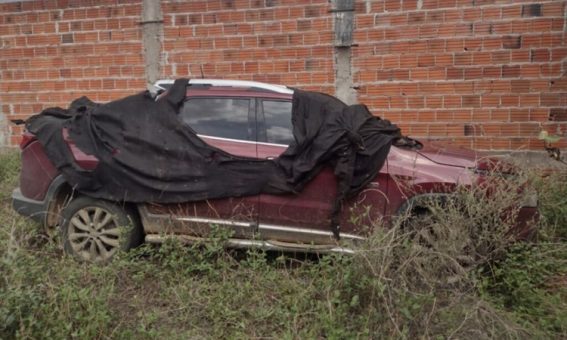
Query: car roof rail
point(164, 84)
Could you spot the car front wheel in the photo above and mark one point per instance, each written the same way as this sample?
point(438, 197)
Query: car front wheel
point(444, 251)
point(95, 230)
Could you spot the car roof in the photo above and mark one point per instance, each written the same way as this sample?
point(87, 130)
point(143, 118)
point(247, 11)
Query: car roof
point(241, 85)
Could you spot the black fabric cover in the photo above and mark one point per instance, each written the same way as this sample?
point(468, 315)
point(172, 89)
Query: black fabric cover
point(147, 154)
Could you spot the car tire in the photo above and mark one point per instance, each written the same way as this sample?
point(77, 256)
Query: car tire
point(94, 230)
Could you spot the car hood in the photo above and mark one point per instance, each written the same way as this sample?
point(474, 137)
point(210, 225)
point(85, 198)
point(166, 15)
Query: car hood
point(449, 155)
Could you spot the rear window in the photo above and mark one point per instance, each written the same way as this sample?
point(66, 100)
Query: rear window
point(218, 117)
point(277, 118)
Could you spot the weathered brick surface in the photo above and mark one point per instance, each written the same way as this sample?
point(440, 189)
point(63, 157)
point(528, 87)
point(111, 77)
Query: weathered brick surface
point(54, 51)
point(487, 74)
point(286, 42)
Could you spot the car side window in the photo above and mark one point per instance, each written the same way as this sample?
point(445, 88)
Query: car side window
point(277, 119)
point(218, 117)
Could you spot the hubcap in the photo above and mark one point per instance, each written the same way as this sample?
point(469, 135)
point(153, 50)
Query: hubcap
point(94, 234)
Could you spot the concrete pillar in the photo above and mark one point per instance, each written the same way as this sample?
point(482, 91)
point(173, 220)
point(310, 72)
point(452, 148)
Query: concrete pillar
point(4, 130)
point(343, 26)
point(152, 33)
point(344, 84)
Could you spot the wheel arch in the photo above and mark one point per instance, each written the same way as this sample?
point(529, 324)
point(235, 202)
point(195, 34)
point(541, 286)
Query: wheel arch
point(61, 193)
point(58, 196)
point(419, 203)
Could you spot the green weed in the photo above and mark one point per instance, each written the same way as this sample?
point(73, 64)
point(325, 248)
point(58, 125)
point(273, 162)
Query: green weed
point(552, 192)
point(478, 284)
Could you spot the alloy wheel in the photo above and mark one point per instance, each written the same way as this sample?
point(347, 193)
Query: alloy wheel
point(94, 234)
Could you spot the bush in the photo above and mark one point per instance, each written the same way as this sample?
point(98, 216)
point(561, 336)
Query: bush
point(530, 283)
point(471, 281)
point(553, 206)
point(9, 170)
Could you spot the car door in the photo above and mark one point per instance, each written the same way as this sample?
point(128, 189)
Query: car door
point(228, 123)
point(305, 217)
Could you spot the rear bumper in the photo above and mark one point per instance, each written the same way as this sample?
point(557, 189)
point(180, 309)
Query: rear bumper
point(36, 210)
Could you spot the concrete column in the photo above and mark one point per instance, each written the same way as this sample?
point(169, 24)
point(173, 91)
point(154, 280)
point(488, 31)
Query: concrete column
point(343, 26)
point(152, 33)
point(344, 84)
point(4, 129)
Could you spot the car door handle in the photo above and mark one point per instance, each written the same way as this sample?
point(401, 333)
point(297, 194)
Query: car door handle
point(270, 158)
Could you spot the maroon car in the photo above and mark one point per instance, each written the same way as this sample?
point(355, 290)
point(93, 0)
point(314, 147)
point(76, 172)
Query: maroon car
point(246, 119)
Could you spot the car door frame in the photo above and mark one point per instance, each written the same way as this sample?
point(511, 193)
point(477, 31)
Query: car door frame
point(185, 219)
point(319, 232)
point(313, 228)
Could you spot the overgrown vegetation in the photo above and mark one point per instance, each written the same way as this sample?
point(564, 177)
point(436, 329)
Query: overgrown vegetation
point(475, 282)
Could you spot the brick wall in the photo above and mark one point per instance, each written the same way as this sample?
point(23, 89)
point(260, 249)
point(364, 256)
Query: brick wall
point(285, 42)
point(488, 74)
point(54, 51)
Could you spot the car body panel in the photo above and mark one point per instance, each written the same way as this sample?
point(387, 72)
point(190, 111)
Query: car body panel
point(411, 173)
point(449, 155)
point(311, 208)
point(37, 172)
point(46, 210)
point(198, 218)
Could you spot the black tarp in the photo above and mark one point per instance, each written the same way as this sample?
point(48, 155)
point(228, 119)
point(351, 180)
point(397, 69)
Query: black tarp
point(147, 154)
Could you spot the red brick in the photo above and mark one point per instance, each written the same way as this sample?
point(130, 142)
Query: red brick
point(455, 73)
point(491, 43)
point(471, 101)
point(392, 5)
point(558, 85)
point(451, 101)
point(539, 85)
point(520, 86)
point(510, 71)
point(509, 100)
point(444, 60)
point(482, 58)
point(501, 57)
point(473, 73)
point(463, 59)
point(541, 25)
point(491, 72)
point(512, 42)
point(463, 115)
point(531, 100)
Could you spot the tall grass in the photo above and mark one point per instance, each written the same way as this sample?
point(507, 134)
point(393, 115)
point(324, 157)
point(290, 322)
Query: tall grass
point(474, 282)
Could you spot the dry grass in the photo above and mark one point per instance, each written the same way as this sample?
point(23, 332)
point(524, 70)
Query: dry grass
point(473, 282)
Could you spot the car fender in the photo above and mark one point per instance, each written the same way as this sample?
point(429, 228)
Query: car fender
point(45, 211)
